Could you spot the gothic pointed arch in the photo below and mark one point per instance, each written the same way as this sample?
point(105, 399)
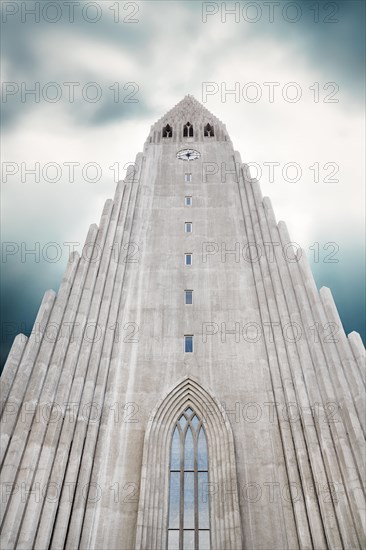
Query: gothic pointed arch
point(224, 518)
point(209, 130)
point(167, 131)
point(188, 130)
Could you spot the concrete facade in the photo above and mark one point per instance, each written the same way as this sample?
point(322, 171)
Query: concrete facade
point(87, 415)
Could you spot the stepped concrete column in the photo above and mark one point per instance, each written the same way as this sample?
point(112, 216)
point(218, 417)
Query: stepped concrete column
point(27, 438)
point(20, 384)
point(72, 364)
point(358, 350)
point(11, 367)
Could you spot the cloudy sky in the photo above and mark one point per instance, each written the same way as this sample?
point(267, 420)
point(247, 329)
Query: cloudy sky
point(104, 72)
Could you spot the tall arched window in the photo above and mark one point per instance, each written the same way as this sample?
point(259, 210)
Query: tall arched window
point(188, 130)
point(209, 130)
point(167, 131)
point(178, 448)
point(188, 521)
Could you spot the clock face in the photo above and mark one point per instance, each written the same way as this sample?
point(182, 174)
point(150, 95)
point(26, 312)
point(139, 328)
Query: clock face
point(188, 154)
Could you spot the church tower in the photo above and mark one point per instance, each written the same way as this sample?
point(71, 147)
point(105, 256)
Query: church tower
point(188, 387)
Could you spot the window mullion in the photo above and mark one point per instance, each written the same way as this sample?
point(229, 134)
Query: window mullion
point(185, 528)
point(181, 513)
point(196, 526)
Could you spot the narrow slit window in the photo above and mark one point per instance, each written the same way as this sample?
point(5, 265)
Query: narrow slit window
point(167, 131)
point(188, 227)
point(188, 343)
point(187, 178)
point(188, 297)
point(188, 201)
point(188, 259)
point(209, 131)
point(188, 130)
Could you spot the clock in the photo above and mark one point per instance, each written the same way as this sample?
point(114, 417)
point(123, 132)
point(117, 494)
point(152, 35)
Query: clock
point(188, 154)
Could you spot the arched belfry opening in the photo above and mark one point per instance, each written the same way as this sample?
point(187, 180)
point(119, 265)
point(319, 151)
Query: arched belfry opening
point(167, 131)
point(209, 130)
point(188, 447)
point(188, 130)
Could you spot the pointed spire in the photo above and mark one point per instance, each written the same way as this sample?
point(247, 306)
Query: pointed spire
point(187, 107)
point(188, 110)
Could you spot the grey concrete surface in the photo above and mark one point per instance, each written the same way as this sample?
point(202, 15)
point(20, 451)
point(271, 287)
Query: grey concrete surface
point(87, 418)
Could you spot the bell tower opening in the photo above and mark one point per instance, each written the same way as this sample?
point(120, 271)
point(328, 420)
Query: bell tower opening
point(188, 130)
point(167, 131)
point(209, 131)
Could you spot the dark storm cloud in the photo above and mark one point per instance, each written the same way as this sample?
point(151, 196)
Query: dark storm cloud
point(18, 35)
point(347, 283)
point(23, 285)
point(339, 46)
point(20, 51)
point(335, 47)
